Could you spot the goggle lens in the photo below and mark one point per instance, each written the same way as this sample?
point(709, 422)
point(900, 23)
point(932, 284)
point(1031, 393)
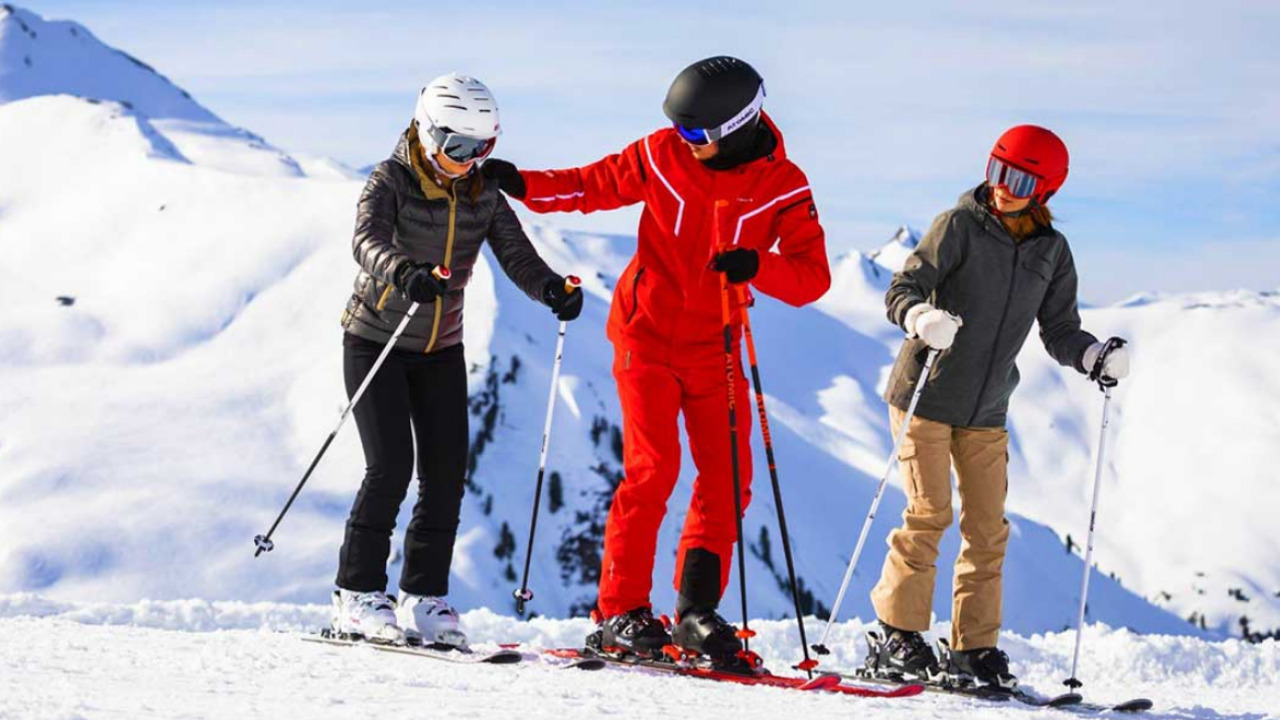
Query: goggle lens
point(1019, 183)
point(694, 136)
point(461, 148)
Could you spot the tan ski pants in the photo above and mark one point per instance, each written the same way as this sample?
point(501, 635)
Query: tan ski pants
point(904, 596)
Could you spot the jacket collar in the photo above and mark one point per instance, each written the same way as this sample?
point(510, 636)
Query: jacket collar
point(408, 153)
point(974, 202)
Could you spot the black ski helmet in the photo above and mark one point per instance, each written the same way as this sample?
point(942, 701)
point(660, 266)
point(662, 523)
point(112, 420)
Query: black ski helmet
point(709, 93)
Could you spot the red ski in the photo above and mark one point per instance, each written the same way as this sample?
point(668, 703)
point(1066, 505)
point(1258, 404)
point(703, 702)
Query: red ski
point(828, 683)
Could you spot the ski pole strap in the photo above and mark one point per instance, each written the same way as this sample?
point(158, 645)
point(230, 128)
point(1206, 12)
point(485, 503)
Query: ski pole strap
point(1095, 373)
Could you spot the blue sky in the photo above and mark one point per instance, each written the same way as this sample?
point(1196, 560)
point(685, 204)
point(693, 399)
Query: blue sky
point(1171, 109)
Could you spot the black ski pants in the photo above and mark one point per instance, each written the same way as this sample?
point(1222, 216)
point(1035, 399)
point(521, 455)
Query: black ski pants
point(413, 395)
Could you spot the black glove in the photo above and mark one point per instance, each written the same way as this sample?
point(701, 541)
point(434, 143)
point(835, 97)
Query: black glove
point(506, 175)
point(740, 265)
point(566, 305)
point(419, 284)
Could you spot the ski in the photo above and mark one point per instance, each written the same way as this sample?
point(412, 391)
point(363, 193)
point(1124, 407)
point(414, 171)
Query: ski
point(561, 663)
point(826, 683)
point(464, 656)
point(1072, 702)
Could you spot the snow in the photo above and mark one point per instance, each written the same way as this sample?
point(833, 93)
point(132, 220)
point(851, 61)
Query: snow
point(195, 659)
point(150, 429)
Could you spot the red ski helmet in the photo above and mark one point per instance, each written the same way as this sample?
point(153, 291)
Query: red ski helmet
point(1034, 150)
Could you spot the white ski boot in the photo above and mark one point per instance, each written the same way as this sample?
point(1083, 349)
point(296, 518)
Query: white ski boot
point(366, 615)
point(429, 621)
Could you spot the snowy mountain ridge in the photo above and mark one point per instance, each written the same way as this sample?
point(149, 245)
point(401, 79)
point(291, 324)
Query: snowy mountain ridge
point(39, 57)
point(156, 422)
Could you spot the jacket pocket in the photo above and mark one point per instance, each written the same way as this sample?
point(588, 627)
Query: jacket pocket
point(635, 295)
point(1040, 268)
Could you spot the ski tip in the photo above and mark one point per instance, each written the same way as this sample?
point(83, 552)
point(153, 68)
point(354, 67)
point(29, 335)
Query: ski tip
point(906, 691)
point(1066, 699)
point(503, 657)
point(821, 682)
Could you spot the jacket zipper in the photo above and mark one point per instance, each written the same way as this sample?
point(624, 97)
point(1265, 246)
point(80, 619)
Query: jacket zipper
point(635, 295)
point(1004, 315)
point(448, 259)
point(382, 301)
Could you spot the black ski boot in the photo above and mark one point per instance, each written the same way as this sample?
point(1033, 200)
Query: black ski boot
point(705, 633)
point(900, 655)
point(983, 667)
point(637, 632)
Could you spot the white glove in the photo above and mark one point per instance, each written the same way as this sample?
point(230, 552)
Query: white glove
point(1116, 365)
point(937, 328)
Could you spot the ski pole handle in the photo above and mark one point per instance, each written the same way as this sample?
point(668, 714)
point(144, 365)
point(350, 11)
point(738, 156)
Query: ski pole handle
point(571, 284)
point(1096, 372)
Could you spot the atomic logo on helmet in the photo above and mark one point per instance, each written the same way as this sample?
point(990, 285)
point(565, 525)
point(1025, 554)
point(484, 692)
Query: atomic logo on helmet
point(713, 98)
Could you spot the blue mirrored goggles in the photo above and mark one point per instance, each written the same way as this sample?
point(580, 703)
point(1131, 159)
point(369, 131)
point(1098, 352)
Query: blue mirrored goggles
point(694, 136)
point(1019, 182)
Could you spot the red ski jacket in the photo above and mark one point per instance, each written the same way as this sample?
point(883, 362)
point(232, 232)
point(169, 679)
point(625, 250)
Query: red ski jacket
point(666, 305)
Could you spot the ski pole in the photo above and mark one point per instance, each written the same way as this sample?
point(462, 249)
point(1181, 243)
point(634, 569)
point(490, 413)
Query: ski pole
point(1104, 384)
point(821, 648)
point(745, 634)
point(263, 542)
point(523, 594)
point(809, 664)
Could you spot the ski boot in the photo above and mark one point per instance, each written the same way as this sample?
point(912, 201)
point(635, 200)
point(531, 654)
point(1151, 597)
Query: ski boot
point(367, 616)
point(637, 632)
point(429, 621)
point(703, 633)
point(982, 667)
point(900, 655)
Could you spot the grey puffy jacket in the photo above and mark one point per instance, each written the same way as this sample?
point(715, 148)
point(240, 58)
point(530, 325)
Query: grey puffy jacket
point(405, 216)
point(968, 264)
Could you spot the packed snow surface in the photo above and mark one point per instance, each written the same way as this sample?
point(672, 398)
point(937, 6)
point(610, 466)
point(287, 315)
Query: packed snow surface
point(229, 660)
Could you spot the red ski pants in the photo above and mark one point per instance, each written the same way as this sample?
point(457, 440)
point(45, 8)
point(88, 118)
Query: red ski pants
point(653, 394)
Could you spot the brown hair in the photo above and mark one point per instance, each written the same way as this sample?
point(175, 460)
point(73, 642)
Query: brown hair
point(1036, 218)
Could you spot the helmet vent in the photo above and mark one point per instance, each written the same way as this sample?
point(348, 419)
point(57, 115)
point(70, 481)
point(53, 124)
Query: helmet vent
point(457, 107)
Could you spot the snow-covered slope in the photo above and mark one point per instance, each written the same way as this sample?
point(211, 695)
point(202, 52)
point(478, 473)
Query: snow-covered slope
point(195, 659)
point(155, 418)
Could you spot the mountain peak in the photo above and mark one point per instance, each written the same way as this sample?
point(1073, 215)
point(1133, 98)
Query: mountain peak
point(906, 236)
point(47, 57)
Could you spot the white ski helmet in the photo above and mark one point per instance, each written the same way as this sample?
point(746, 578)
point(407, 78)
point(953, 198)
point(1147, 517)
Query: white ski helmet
point(458, 115)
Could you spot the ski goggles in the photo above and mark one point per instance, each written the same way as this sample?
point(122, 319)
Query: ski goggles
point(458, 147)
point(1019, 182)
point(706, 136)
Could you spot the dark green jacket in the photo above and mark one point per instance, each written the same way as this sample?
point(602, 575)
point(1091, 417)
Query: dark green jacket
point(968, 264)
point(405, 216)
